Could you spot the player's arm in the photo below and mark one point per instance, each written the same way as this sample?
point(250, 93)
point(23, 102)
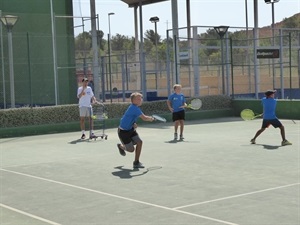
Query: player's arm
point(146, 118)
point(169, 105)
point(80, 94)
point(94, 100)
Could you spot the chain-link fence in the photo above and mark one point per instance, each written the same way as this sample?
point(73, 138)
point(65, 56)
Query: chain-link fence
point(232, 65)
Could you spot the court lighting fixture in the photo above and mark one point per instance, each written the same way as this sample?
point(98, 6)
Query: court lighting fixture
point(154, 20)
point(9, 21)
point(221, 30)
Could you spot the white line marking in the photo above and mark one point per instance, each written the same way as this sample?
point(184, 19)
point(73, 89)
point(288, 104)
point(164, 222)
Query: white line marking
point(120, 197)
point(236, 196)
point(28, 214)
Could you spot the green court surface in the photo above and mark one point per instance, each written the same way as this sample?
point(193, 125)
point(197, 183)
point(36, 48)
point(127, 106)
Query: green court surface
point(213, 177)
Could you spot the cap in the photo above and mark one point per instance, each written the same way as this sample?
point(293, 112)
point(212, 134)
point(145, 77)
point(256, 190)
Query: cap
point(270, 92)
point(84, 79)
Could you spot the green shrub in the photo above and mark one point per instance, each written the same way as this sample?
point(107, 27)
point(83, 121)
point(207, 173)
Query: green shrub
point(27, 116)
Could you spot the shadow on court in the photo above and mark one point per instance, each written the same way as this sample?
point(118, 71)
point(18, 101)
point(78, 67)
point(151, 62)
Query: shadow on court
point(270, 147)
point(125, 173)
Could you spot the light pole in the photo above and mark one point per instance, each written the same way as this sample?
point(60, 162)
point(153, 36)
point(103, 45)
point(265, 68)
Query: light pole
point(109, 56)
point(9, 21)
point(154, 20)
point(273, 38)
point(221, 30)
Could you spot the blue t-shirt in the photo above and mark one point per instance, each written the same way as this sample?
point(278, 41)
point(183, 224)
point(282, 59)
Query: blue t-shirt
point(130, 116)
point(177, 100)
point(269, 105)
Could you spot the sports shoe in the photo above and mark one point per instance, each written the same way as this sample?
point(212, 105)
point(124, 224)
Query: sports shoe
point(175, 136)
point(83, 136)
point(121, 150)
point(181, 137)
point(252, 141)
point(137, 164)
point(285, 142)
point(93, 136)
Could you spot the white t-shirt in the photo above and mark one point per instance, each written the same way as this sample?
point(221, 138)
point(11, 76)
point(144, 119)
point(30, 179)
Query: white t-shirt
point(85, 99)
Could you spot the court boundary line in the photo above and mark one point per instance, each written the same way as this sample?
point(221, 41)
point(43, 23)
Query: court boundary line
point(120, 197)
point(28, 214)
point(237, 196)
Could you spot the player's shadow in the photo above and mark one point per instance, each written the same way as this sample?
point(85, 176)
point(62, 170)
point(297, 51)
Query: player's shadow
point(124, 173)
point(74, 142)
point(173, 141)
point(270, 147)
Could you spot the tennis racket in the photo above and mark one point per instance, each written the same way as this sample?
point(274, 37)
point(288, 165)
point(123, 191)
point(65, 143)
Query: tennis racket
point(159, 118)
point(195, 104)
point(248, 114)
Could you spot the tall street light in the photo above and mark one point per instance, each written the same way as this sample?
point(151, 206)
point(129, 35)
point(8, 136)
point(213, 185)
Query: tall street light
point(9, 21)
point(109, 56)
point(273, 34)
point(154, 20)
point(221, 30)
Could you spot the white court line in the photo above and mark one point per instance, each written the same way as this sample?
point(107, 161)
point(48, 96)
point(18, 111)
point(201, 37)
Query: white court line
point(28, 214)
point(236, 196)
point(120, 197)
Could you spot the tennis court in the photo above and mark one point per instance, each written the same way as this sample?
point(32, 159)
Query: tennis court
point(213, 177)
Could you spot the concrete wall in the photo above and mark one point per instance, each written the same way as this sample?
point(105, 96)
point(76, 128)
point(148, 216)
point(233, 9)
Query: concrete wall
point(33, 53)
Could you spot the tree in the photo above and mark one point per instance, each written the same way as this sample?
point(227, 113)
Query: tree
point(151, 36)
point(83, 42)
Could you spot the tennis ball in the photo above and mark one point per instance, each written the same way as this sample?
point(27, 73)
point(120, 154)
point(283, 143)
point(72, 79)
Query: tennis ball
point(94, 117)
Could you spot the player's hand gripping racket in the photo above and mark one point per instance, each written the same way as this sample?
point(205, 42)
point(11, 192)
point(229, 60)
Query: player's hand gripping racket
point(248, 114)
point(159, 118)
point(195, 104)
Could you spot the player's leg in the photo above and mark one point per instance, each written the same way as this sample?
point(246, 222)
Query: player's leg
point(181, 121)
point(276, 123)
point(82, 113)
point(265, 124)
point(176, 118)
point(138, 149)
point(127, 143)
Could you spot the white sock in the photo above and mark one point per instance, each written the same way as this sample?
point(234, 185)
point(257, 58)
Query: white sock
point(82, 131)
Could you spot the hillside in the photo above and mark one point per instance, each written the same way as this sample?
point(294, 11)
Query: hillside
point(290, 22)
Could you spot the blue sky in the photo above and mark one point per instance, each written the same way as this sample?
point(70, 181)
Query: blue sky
point(203, 13)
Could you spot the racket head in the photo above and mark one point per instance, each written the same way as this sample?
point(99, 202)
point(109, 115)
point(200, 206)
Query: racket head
point(159, 118)
point(247, 114)
point(195, 104)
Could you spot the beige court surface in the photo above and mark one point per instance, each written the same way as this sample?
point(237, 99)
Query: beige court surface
point(213, 177)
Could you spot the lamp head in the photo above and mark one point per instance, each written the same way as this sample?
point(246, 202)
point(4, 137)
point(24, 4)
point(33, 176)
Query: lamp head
point(271, 1)
point(154, 19)
point(221, 30)
point(9, 21)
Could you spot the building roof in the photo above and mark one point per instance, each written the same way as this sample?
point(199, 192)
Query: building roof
point(132, 3)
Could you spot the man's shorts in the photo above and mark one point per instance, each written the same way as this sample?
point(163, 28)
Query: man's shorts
point(178, 115)
point(274, 122)
point(85, 111)
point(129, 138)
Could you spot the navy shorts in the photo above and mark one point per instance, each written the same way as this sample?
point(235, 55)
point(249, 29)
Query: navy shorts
point(178, 115)
point(274, 122)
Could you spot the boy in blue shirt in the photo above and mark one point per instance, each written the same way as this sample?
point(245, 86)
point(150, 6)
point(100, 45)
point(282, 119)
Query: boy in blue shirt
point(127, 129)
point(269, 117)
point(176, 104)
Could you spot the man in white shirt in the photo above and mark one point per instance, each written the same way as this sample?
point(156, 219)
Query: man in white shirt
point(86, 97)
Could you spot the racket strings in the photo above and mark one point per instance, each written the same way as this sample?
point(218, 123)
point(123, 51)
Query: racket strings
point(247, 114)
